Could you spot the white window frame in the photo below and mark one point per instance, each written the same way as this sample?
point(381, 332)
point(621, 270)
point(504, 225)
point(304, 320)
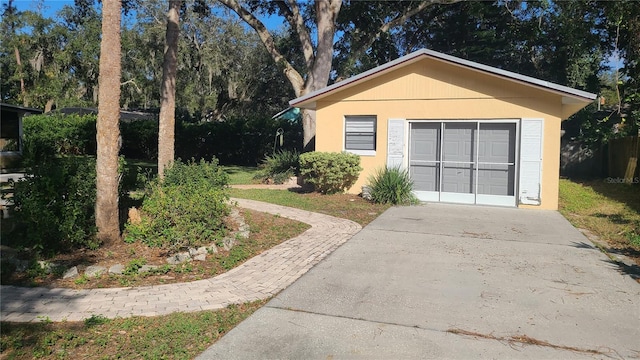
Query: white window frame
point(375, 134)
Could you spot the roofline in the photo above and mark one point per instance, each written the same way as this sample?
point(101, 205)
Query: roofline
point(417, 55)
point(22, 108)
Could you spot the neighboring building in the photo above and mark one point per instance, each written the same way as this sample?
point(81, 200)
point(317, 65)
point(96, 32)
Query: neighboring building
point(466, 132)
point(11, 132)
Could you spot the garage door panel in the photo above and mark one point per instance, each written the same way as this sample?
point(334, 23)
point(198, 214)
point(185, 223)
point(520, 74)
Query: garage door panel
point(459, 142)
point(497, 143)
point(424, 142)
point(496, 179)
point(425, 177)
point(488, 178)
point(457, 178)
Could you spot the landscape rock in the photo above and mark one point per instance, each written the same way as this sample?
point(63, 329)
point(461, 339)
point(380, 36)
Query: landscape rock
point(134, 216)
point(71, 273)
point(7, 253)
point(116, 269)
point(146, 268)
point(227, 243)
point(179, 258)
point(200, 257)
point(366, 193)
point(94, 270)
point(22, 265)
point(199, 251)
point(48, 267)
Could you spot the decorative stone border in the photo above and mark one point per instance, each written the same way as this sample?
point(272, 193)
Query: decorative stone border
point(93, 271)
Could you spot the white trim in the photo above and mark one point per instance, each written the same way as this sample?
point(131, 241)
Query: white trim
point(397, 155)
point(458, 198)
point(375, 136)
point(362, 152)
point(531, 161)
point(433, 196)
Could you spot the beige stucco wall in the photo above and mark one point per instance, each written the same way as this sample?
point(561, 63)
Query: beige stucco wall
point(432, 90)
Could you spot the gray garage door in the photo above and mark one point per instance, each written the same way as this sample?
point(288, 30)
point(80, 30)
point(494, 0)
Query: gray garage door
point(470, 162)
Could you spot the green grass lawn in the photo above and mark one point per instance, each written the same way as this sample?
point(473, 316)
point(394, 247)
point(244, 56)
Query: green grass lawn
point(239, 175)
point(344, 206)
point(174, 336)
point(609, 210)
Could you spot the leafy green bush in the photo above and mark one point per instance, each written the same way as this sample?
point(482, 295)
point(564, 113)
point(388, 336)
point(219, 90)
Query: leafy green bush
point(55, 204)
point(140, 139)
point(54, 134)
point(194, 173)
point(187, 209)
point(392, 186)
point(330, 173)
point(237, 140)
point(279, 167)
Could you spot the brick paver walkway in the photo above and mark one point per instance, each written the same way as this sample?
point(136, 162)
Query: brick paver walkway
point(258, 278)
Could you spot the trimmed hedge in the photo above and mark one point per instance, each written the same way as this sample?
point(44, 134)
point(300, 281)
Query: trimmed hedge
point(46, 136)
point(330, 173)
point(240, 141)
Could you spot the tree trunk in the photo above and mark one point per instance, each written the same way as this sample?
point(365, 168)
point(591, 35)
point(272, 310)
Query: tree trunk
point(23, 92)
point(317, 55)
point(166, 133)
point(108, 131)
point(308, 130)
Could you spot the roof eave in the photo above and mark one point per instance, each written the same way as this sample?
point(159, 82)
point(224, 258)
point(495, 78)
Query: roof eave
point(309, 100)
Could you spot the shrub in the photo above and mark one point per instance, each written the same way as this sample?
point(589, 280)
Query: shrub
point(237, 140)
point(187, 209)
point(330, 173)
point(54, 205)
point(194, 173)
point(58, 134)
point(279, 167)
point(140, 139)
point(392, 186)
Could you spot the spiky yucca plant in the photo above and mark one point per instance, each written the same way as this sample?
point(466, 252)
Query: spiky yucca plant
point(392, 186)
point(280, 166)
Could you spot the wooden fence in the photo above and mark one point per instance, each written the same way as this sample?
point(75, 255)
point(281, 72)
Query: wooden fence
point(623, 158)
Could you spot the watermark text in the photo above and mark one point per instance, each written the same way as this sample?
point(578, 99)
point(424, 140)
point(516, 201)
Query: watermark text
point(618, 180)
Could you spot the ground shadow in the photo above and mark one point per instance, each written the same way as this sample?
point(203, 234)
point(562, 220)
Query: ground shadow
point(632, 270)
point(582, 245)
point(300, 190)
point(618, 192)
point(614, 218)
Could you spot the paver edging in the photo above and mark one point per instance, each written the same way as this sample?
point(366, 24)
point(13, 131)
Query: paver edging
point(258, 278)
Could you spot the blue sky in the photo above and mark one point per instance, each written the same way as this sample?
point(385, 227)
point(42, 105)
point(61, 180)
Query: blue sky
point(49, 9)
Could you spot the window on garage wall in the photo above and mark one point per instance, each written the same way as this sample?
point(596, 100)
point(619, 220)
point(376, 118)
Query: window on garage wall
point(360, 134)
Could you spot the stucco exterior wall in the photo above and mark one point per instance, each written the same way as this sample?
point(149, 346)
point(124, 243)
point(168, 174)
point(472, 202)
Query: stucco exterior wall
point(432, 90)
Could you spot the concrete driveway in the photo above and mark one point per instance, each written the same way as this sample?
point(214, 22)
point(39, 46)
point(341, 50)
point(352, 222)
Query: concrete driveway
point(451, 281)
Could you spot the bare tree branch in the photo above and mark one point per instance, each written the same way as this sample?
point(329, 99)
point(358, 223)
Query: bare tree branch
point(131, 81)
point(296, 21)
point(296, 80)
